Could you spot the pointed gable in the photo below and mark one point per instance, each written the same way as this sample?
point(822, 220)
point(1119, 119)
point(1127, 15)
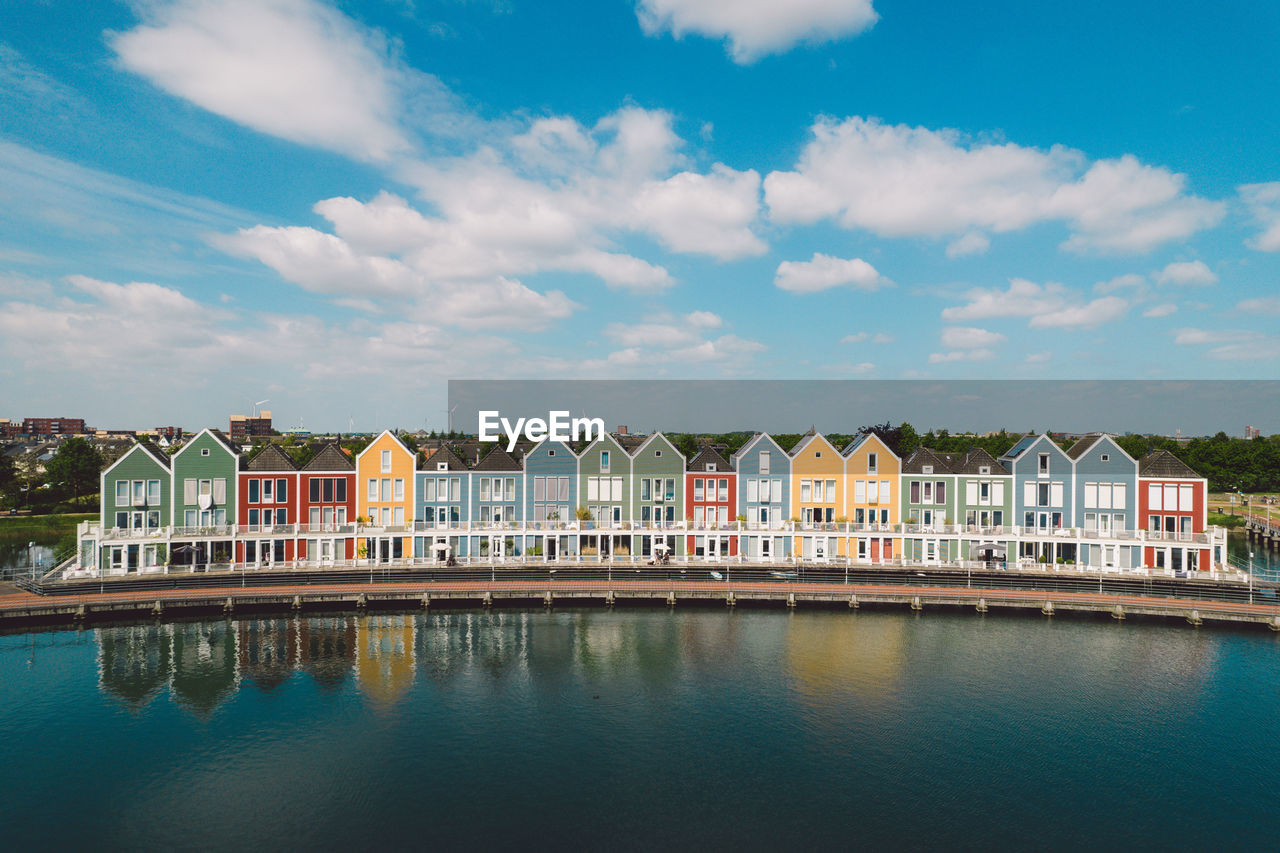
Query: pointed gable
point(271, 458)
point(1162, 463)
point(330, 458)
point(497, 459)
point(977, 459)
point(923, 457)
point(708, 456)
point(444, 456)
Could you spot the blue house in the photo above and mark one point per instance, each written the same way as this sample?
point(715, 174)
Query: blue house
point(764, 497)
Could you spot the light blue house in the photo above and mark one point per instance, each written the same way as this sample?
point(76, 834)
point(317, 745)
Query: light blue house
point(764, 497)
point(1106, 500)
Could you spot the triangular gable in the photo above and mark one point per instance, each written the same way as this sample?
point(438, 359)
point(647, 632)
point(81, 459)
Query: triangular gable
point(540, 449)
point(1094, 441)
point(271, 458)
point(379, 438)
point(865, 439)
point(138, 445)
point(756, 439)
point(656, 436)
point(330, 458)
point(809, 438)
point(498, 459)
point(218, 439)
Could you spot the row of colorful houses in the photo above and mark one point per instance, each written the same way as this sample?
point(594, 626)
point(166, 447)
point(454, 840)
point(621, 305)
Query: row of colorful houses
point(631, 496)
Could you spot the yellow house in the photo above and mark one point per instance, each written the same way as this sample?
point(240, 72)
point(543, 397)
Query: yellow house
point(817, 497)
point(872, 473)
point(384, 496)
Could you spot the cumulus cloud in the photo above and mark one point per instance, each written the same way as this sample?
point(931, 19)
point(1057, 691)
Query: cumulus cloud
point(1263, 201)
point(1163, 310)
point(823, 272)
point(755, 28)
point(1199, 337)
point(664, 339)
point(1194, 273)
point(962, 355)
point(861, 337)
point(1104, 309)
point(970, 243)
point(969, 337)
point(1122, 282)
point(904, 181)
point(296, 69)
point(1259, 305)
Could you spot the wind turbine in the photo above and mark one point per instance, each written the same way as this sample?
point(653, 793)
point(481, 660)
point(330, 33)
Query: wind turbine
point(256, 405)
point(450, 420)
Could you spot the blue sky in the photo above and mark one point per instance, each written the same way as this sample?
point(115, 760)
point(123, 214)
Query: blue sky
point(339, 206)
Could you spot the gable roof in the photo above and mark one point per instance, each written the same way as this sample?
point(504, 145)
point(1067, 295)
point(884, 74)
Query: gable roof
point(497, 459)
point(145, 448)
point(218, 438)
point(1020, 447)
point(862, 439)
point(753, 441)
point(976, 459)
point(922, 456)
point(1082, 444)
point(708, 456)
point(443, 454)
point(652, 437)
point(330, 458)
point(809, 438)
point(1162, 463)
point(394, 438)
point(549, 445)
point(271, 458)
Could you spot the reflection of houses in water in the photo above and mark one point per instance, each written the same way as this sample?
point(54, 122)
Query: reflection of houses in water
point(204, 664)
point(134, 662)
point(832, 657)
point(385, 655)
point(327, 649)
point(268, 650)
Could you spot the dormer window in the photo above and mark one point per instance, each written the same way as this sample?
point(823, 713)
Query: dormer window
point(928, 469)
point(711, 466)
point(984, 469)
point(1106, 457)
point(442, 466)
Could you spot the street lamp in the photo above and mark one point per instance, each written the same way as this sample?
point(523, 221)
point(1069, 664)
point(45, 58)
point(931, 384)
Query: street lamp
point(31, 560)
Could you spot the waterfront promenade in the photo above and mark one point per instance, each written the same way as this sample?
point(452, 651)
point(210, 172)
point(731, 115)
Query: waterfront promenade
point(1196, 601)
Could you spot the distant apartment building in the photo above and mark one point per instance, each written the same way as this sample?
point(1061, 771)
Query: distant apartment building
point(247, 426)
point(1252, 432)
point(53, 426)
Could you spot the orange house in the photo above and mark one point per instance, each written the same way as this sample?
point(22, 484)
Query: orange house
point(384, 497)
point(872, 473)
point(817, 497)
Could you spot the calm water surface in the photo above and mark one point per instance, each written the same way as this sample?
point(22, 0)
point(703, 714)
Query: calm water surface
point(639, 728)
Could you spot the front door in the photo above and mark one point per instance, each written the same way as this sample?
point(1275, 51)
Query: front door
point(495, 547)
point(549, 547)
point(1104, 524)
point(713, 549)
point(766, 549)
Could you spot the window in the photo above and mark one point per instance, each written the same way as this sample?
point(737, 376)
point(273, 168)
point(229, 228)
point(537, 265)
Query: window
point(122, 520)
point(928, 492)
point(604, 462)
point(984, 492)
point(1106, 457)
point(711, 466)
point(399, 489)
point(657, 453)
point(455, 489)
point(313, 490)
point(831, 491)
point(1042, 494)
point(282, 491)
point(939, 492)
point(266, 491)
point(139, 493)
point(1044, 464)
point(509, 489)
point(671, 489)
point(806, 491)
point(373, 489)
point(153, 493)
point(724, 490)
point(386, 462)
point(484, 489)
point(122, 492)
point(753, 491)
point(915, 491)
point(764, 462)
point(253, 516)
point(984, 470)
point(872, 463)
point(698, 494)
point(386, 488)
point(551, 453)
point(817, 454)
point(204, 451)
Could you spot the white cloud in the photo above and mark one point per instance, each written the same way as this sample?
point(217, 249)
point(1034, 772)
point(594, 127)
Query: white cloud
point(823, 272)
point(755, 28)
point(1263, 201)
point(1022, 299)
point(704, 320)
point(669, 340)
point(970, 243)
point(1163, 310)
point(1260, 305)
point(961, 355)
point(296, 69)
point(861, 368)
point(1104, 309)
point(1194, 273)
point(968, 337)
point(1048, 305)
point(1122, 282)
point(706, 214)
point(1038, 357)
point(1199, 337)
point(904, 181)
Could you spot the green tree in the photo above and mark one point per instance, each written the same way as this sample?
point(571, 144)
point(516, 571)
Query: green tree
point(10, 487)
point(75, 467)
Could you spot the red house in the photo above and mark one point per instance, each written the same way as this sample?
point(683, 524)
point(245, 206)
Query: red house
point(327, 507)
point(268, 508)
point(711, 489)
point(1172, 509)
